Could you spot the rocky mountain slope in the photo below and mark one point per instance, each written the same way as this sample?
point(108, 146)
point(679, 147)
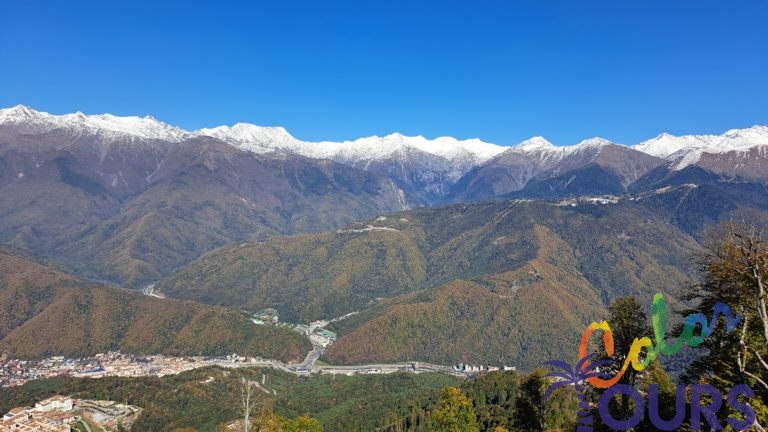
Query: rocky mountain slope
point(538, 169)
point(122, 207)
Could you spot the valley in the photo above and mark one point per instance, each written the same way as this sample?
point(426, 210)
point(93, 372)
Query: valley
point(481, 268)
point(246, 218)
point(135, 249)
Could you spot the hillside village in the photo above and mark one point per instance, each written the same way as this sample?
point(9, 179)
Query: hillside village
point(15, 372)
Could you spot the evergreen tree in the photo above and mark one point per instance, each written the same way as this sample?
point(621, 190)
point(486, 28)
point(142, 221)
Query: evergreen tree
point(628, 322)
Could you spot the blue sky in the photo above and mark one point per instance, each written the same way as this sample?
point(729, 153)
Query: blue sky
point(502, 71)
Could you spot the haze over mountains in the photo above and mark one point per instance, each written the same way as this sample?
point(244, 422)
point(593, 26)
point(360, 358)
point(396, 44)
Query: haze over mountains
point(476, 235)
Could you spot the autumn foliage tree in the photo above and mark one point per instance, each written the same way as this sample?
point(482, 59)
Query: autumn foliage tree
point(736, 273)
point(454, 412)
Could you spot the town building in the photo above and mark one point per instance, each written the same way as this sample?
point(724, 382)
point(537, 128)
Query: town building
point(50, 415)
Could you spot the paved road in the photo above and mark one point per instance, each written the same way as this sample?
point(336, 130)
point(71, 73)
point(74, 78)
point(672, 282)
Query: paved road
point(85, 423)
point(309, 361)
point(384, 368)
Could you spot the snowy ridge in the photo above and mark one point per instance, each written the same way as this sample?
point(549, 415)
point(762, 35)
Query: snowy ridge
point(252, 138)
point(539, 144)
point(259, 139)
point(543, 151)
point(681, 151)
point(687, 149)
point(256, 139)
point(447, 147)
point(31, 121)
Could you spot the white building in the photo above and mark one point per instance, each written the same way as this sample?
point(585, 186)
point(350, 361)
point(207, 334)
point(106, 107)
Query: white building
point(57, 402)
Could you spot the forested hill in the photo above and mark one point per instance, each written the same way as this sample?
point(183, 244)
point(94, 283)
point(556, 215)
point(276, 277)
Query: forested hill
point(512, 282)
point(47, 312)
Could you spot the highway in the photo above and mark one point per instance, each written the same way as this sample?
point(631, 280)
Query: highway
point(386, 368)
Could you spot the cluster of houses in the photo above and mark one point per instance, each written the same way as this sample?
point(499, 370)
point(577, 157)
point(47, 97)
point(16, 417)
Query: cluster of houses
point(466, 368)
point(596, 200)
point(18, 372)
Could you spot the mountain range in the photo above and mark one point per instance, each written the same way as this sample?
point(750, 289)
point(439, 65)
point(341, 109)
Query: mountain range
point(129, 207)
point(444, 169)
point(447, 249)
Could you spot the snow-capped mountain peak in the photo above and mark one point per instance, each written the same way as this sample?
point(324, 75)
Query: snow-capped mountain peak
point(243, 132)
point(143, 127)
point(540, 145)
point(449, 147)
point(257, 139)
point(687, 149)
point(666, 144)
point(536, 143)
point(595, 142)
point(754, 134)
point(31, 121)
point(25, 118)
point(19, 112)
